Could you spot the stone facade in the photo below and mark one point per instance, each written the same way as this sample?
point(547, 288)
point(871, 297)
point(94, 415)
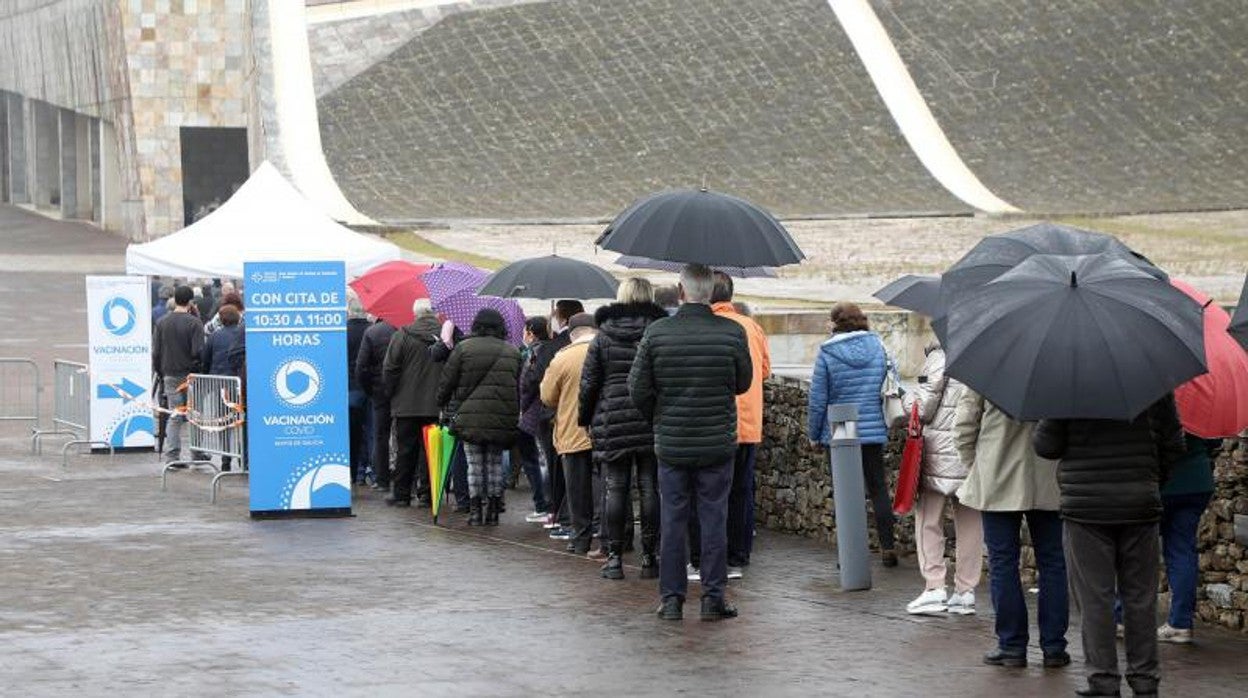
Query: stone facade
point(794, 494)
point(121, 78)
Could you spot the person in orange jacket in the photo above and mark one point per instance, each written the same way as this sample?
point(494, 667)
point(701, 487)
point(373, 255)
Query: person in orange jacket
point(749, 430)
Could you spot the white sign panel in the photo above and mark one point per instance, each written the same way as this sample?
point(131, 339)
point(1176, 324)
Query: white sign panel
point(119, 338)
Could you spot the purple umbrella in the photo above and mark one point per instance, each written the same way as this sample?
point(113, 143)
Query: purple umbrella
point(462, 307)
point(449, 278)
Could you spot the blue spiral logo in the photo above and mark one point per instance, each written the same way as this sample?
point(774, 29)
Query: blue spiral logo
point(119, 316)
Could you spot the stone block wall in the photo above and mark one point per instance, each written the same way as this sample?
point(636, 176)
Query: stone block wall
point(794, 494)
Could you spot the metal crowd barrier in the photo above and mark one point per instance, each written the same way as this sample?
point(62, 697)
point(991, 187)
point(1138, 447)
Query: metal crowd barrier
point(20, 388)
point(214, 426)
point(71, 410)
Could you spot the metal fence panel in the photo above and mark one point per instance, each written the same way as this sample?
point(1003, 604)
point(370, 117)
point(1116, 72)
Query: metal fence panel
point(71, 407)
point(214, 420)
point(20, 389)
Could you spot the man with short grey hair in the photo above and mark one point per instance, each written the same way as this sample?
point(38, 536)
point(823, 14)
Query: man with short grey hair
point(685, 378)
point(410, 372)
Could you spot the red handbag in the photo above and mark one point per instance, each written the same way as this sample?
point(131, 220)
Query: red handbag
point(911, 464)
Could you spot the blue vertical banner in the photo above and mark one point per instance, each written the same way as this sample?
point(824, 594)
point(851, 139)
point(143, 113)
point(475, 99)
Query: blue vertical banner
point(298, 441)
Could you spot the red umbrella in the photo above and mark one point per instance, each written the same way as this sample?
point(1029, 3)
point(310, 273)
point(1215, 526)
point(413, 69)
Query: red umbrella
point(1215, 405)
point(388, 290)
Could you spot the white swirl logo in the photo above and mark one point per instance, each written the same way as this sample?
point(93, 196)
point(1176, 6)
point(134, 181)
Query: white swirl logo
point(297, 382)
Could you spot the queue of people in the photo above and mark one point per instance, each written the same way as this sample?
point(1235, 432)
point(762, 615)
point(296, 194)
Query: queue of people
point(668, 401)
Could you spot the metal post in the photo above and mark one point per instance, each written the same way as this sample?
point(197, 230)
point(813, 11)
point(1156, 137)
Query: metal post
point(849, 494)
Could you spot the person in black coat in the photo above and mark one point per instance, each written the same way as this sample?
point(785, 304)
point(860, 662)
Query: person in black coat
point(411, 374)
point(536, 334)
point(478, 394)
point(542, 356)
point(368, 366)
point(1109, 478)
point(622, 436)
point(685, 379)
point(359, 408)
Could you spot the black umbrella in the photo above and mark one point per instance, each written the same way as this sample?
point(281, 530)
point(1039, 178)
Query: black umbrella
point(633, 262)
point(997, 254)
point(699, 226)
point(1239, 321)
point(913, 292)
point(1087, 336)
point(550, 277)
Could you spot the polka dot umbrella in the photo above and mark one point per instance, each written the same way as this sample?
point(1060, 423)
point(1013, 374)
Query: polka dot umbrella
point(462, 307)
point(449, 278)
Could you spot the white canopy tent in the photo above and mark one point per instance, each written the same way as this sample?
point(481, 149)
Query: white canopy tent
point(266, 220)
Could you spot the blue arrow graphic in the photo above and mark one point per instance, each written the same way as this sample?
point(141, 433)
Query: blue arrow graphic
point(127, 390)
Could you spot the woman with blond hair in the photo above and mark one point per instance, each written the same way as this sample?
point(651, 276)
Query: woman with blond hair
point(622, 436)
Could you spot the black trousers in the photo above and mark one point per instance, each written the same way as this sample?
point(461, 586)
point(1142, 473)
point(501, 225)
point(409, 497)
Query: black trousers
point(877, 491)
point(578, 471)
point(619, 507)
point(381, 442)
point(558, 495)
point(410, 463)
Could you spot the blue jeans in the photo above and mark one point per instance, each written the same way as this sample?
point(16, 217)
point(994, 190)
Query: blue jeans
point(1180, 516)
point(678, 488)
point(1001, 537)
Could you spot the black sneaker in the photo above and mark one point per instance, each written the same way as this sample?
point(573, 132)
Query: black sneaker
point(394, 501)
point(672, 608)
point(1056, 660)
point(614, 569)
point(649, 567)
point(998, 657)
point(717, 609)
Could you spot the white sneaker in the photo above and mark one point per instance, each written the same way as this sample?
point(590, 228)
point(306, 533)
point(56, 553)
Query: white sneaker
point(930, 601)
point(537, 517)
point(962, 604)
point(1178, 636)
point(735, 573)
point(692, 573)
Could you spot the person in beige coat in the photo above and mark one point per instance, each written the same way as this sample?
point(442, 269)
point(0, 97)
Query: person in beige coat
point(1008, 483)
point(560, 390)
point(943, 472)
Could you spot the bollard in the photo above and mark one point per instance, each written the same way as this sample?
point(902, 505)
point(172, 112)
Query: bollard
point(849, 493)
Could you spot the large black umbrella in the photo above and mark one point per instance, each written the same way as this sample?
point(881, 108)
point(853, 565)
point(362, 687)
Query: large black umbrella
point(1086, 336)
point(550, 277)
point(1239, 321)
point(633, 262)
point(913, 292)
point(997, 254)
point(699, 226)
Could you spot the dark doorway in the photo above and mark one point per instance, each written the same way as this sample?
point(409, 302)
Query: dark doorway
point(214, 165)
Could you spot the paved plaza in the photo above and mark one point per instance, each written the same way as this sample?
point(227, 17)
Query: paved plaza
point(110, 586)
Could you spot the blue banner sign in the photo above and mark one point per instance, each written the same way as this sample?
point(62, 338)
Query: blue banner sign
point(298, 442)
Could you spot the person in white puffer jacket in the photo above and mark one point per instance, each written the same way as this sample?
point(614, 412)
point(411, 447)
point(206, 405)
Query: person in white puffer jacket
point(942, 474)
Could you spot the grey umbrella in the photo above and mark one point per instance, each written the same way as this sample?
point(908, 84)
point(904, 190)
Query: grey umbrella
point(997, 254)
point(703, 227)
point(633, 262)
point(1085, 336)
point(913, 292)
point(551, 276)
point(1239, 321)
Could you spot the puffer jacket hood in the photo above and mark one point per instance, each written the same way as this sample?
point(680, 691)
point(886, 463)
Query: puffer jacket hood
point(854, 349)
point(850, 369)
point(618, 428)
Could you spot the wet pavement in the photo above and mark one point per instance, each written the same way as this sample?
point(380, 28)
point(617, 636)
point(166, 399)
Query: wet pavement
point(110, 586)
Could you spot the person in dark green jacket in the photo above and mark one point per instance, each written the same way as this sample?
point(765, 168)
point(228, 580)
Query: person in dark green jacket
point(478, 396)
point(686, 376)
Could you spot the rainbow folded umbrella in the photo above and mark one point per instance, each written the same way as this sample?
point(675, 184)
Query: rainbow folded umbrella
point(438, 447)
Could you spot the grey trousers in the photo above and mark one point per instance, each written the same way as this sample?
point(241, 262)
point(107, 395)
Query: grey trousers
point(1099, 560)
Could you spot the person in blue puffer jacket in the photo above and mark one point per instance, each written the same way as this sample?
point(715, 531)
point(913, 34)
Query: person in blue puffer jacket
point(850, 369)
